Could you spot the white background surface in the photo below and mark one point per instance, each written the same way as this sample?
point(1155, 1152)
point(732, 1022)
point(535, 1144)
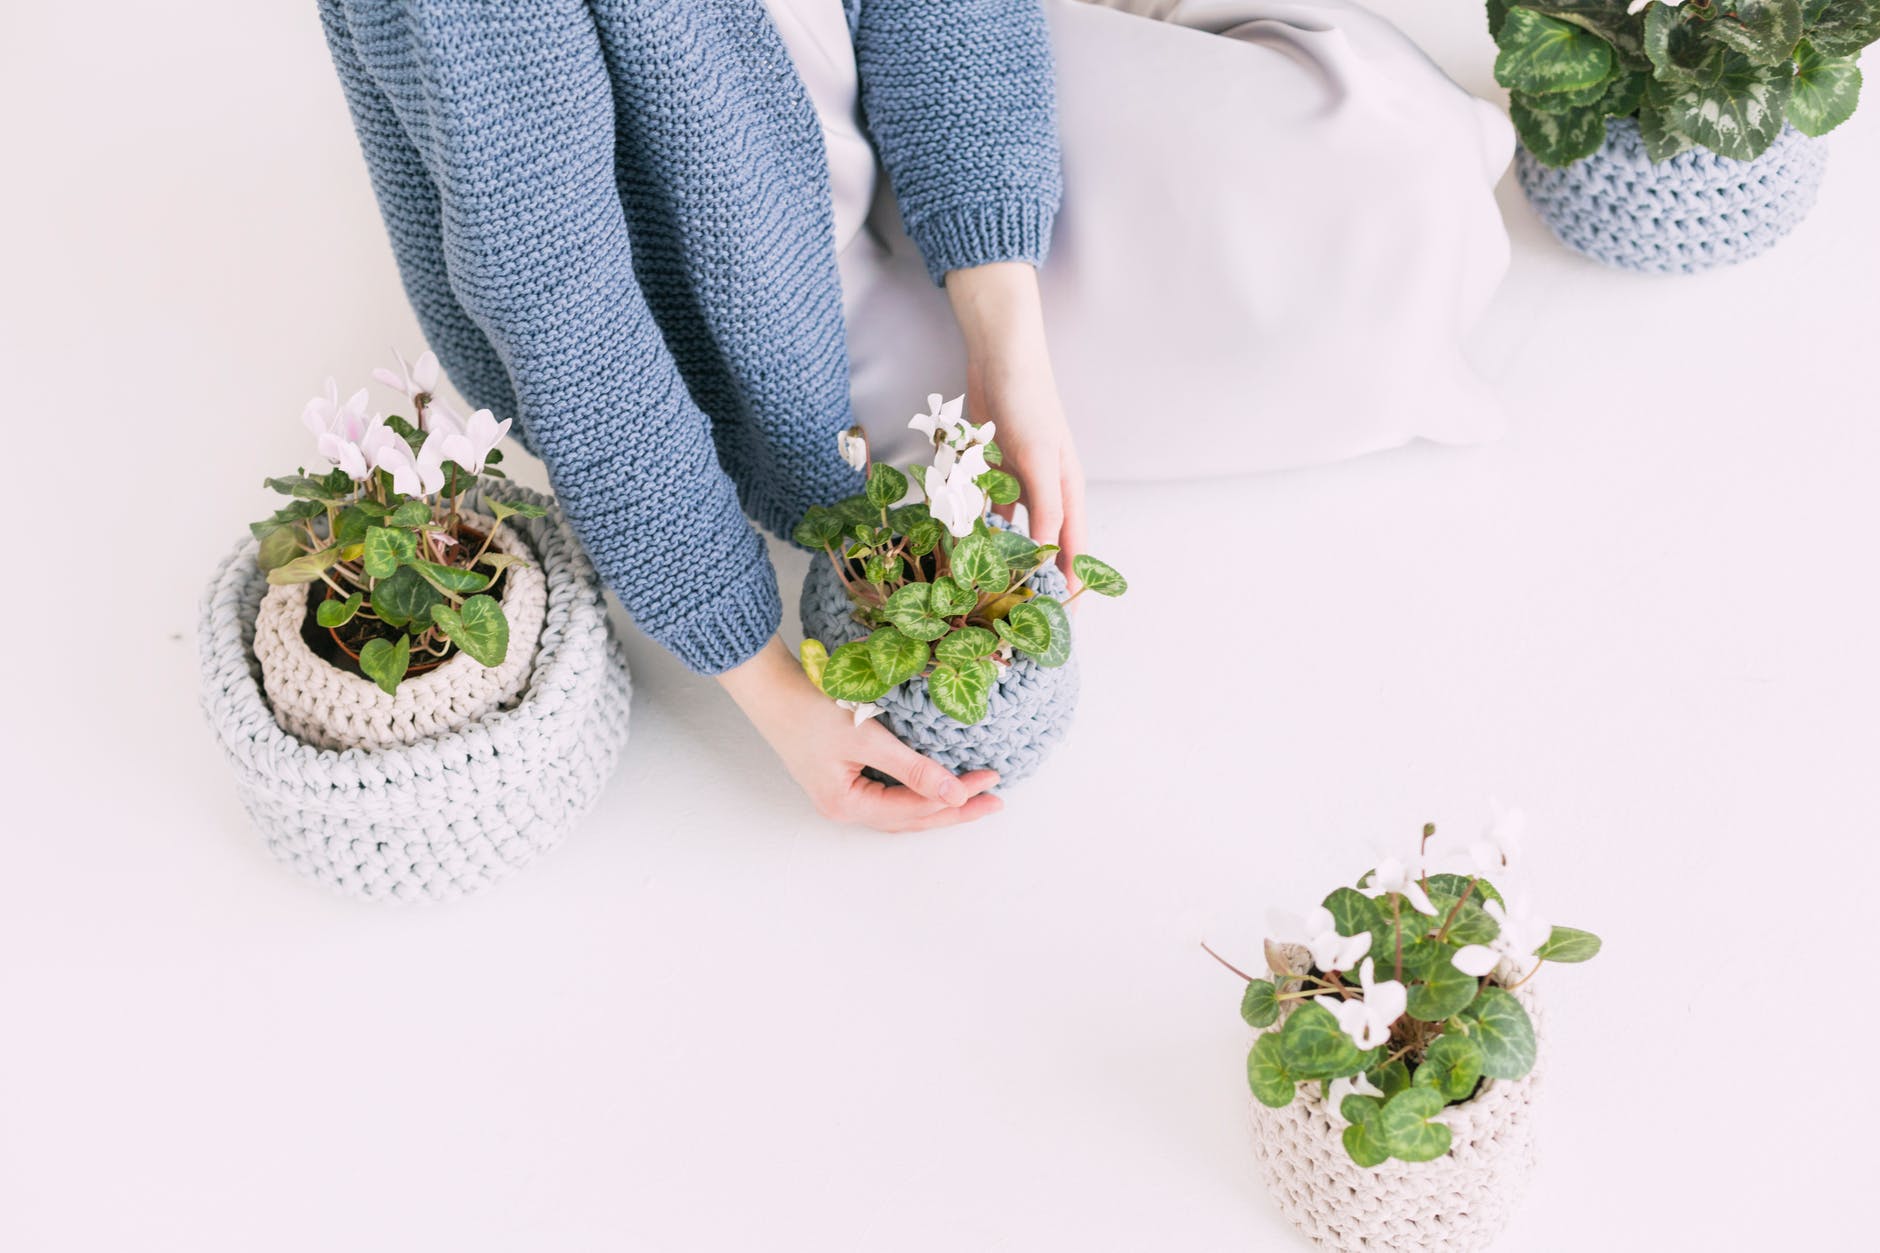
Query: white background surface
point(711, 1022)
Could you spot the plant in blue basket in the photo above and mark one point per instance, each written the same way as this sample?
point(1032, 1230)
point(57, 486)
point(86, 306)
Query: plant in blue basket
point(943, 593)
point(406, 575)
point(1396, 997)
point(1726, 75)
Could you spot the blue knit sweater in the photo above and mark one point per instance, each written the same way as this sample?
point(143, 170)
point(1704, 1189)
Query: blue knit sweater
point(613, 220)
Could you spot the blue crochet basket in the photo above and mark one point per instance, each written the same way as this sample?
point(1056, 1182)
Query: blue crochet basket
point(1693, 212)
point(1028, 713)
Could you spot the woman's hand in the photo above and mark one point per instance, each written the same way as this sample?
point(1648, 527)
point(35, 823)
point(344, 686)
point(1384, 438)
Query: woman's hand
point(1009, 381)
point(825, 751)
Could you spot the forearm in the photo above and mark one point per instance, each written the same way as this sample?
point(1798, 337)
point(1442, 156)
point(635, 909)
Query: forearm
point(999, 311)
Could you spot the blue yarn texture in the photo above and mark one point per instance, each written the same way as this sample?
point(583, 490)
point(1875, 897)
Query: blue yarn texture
point(1692, 212)
point(1028, 713)
point(612, 218)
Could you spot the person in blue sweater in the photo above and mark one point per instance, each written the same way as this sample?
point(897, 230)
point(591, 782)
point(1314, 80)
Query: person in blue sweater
point(684, 243)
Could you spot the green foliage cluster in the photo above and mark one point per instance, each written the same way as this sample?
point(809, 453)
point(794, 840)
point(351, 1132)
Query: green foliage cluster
point(1722, 74)
point(373, 547)
point(1457, 1031)
point(951, 611)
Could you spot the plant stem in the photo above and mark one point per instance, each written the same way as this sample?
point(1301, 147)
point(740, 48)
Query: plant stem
point(1230, 965)
point(1443, 933)
point(1396, 921)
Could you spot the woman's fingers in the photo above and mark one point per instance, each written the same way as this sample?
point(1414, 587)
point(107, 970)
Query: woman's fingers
point(1071, 539)
point(1044, 503)
point(888, 808)
point(922, 775)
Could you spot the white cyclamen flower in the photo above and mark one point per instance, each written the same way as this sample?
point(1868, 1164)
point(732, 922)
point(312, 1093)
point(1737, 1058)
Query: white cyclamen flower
point(1521, 933)
point(862, 709)
point(954, 497)
point(1638, 6)
point(339, 429)
point(1475, 960)
point(853, 445)
point(942, 418)
point(1319, 933)
point(1500, 848)
point(414, 475)
point(1393, 875)
point(1368, 1021)
point(415, 382)
point(1357, 1085)
point(471, 445)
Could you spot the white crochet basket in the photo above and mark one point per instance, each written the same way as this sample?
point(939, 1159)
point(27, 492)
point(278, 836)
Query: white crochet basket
point(334, 708)
point(1458, 1203)
point(452, 812)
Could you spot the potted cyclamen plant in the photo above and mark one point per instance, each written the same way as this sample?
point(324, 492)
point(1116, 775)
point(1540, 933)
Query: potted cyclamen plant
point(1675, 135)
point(1396, 1059)
point(937, 616)
point(413, 673)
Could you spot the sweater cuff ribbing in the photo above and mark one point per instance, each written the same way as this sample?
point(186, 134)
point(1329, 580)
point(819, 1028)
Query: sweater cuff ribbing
point(979, 234)
point(731, 624)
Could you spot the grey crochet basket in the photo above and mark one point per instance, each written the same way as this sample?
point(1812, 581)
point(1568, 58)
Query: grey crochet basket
point(1692, 212)
point(450, 814)
point(1028, 713)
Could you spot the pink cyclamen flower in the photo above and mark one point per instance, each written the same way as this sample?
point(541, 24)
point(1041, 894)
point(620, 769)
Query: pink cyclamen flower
point(416, 381)
point(420, 474)
point(471, 445)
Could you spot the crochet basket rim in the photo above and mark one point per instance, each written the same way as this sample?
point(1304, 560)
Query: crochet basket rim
point(565, 569)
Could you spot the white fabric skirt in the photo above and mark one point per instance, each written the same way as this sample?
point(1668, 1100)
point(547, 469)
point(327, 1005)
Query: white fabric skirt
point(1278, 226)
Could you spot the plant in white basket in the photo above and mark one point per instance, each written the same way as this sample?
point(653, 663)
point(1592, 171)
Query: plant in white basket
point(1396, 997)
point(944, 594)
point(405, 571)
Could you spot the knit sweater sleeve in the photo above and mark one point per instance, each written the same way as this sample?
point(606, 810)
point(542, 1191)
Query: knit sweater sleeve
point(489, 130)
point(960, 100)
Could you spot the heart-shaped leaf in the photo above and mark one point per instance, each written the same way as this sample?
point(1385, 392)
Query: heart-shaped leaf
point(1259, 1005)
point(500, 509)
point(1497, 1022)
point(977, 564)
point(911, 609)
point(1059, 621)
point(950, 600)
point(332, 613)
point(405, 599)
point(385, 662)
point(965, 645)
point(851, 675)
point(1825, 92)
point(1098, 576)
point(451, 578)
point(819, 528)
point(815, 658)
point(1266, 1073)
point(1566, 944)
point(478, 627)
point(388, 548)
point(1740, 114)
point(303, 569)
point(886, 485)
point(962, 690)
point(1027, 627)
point(1452, 1065)
point(1313, 1046)
point(1364, 1139)
point(1437, 989)
point(1000, 488)
point(1406, 1126)
point(1540, 54)
point(896, 656)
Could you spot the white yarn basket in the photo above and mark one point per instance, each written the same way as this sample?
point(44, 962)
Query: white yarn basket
point(1458, 1203)
point(451, 813)
point(334, 708)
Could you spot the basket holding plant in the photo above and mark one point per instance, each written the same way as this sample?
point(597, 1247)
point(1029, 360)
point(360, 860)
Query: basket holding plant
point(1395, 1027)
point(936, 615)
point(1726, 75)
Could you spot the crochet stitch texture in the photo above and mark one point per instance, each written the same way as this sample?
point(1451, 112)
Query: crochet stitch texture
point(612, 218)
point(1690, 213)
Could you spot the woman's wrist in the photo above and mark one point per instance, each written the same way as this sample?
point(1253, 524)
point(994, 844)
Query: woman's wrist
point(754, 683)
point(998, 308)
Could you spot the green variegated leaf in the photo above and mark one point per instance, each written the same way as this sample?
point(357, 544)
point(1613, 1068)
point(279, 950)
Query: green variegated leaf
point(1558, 139)
point(1059, 621)
point(1098, 576)
point(950, 600)
point(1016, 549)
point(405, 599)
point(305, 487)
point(1606, 18)
point(1662, 139)
point(1539, 54)
point(1364, 1140)
point(385, 662)
point(923, 536)
point(1740, 114)
point(1391, 1078)
point(815, 659)
point(977, 564)
point(850, 674)
point(911, 609)
point(1765, 31)
point(1568, 101)
point(1000, 488)
point(1826, 91)
point(1843, 27)
point(287, 515)
point(818, 529)
point(1624, 94)
point(965, 645)
point(1437, 988)
point(479, 628)
point(961, 690)
point(897, 657)
point(500, 509)
point(1452, 1065)
point(410, 513)
point(1566, 944)
point(1027, 627)
point(450, 578)
point(1352, 912)
point(332, 613)
point(1675, 43)
point(1313, 1046)
point(1259, 1005)
point(1501, 1027)
point(1407, 1129)
point(886, 485)
point(1266, 1073)
point(388, 548)
point(351, 526)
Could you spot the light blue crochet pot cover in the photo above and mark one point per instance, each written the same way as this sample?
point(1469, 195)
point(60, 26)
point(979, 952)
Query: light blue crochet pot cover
point(1029, 710)
point(1690, 213)
point(450, 814)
